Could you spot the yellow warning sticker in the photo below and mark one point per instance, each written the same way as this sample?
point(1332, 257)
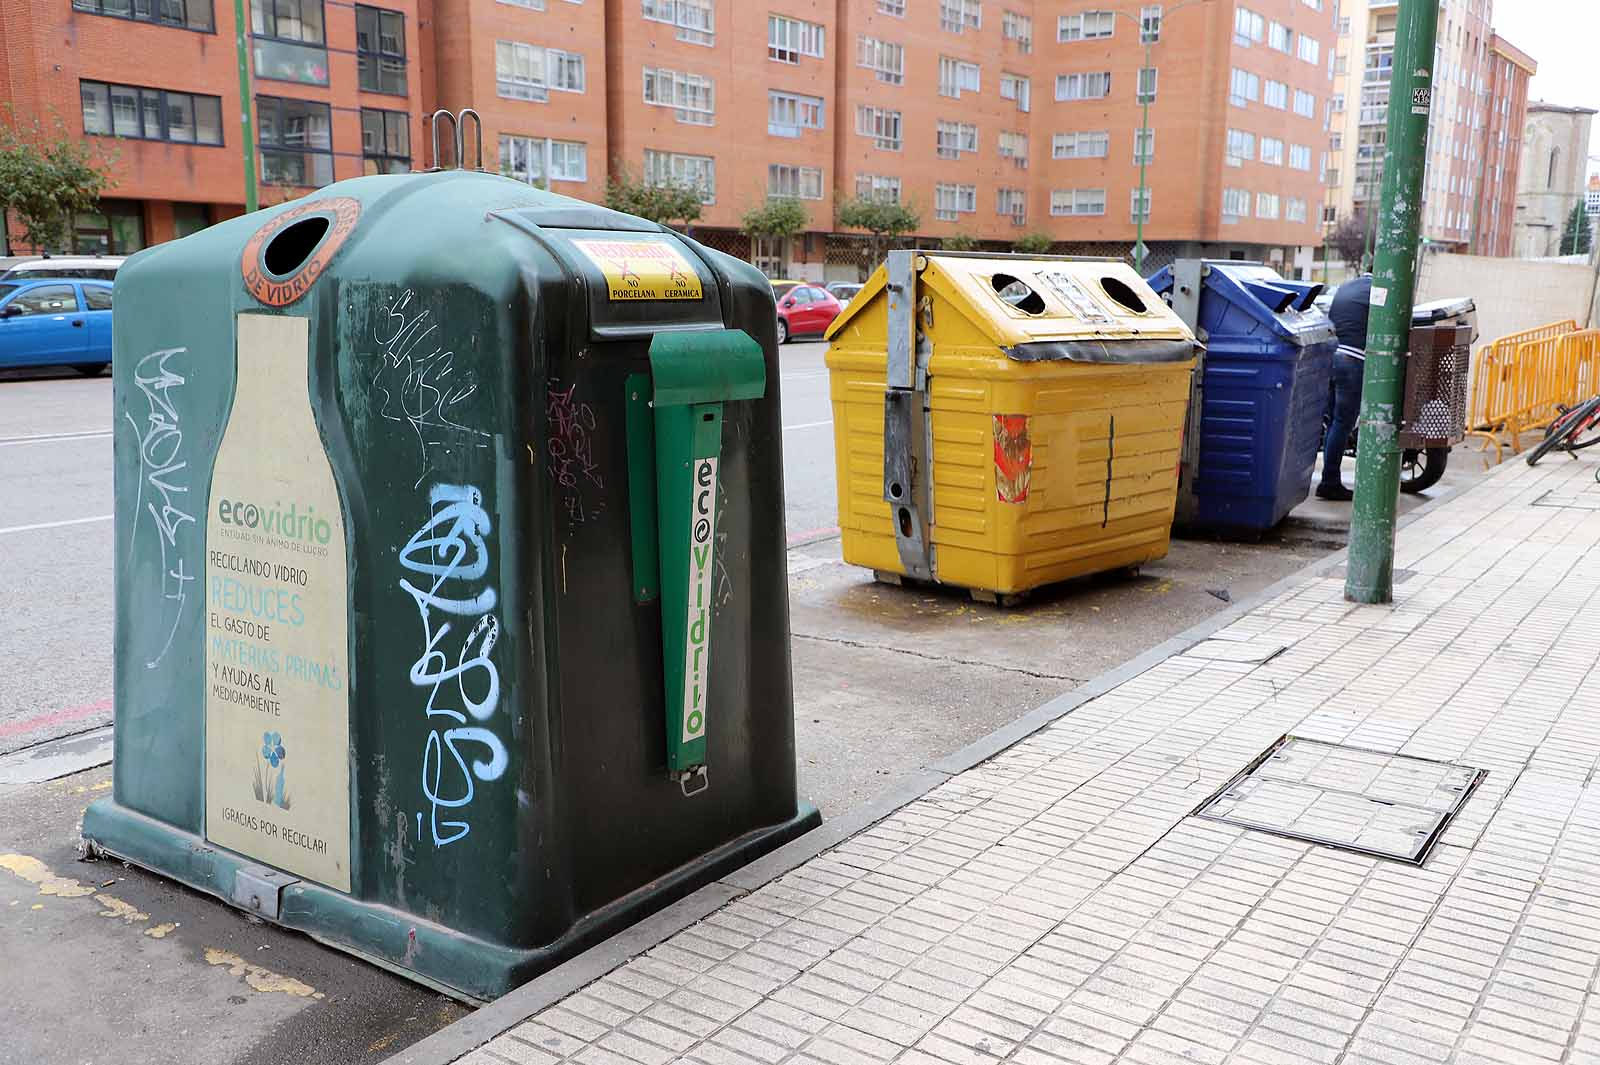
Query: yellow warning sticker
point(643, 269)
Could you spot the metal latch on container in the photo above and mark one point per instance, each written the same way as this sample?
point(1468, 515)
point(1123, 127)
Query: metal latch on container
point(674, 428)
point(906, 473)
point(257, 888)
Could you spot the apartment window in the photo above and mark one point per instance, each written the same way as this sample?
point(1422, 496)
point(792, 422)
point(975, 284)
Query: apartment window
point(1248, 27)
point(1083, 86)
point(1336, 103)
point(1235, 204)
point(1139, 205)
point(1344, 26)
point(296, 142)
point(1330, 214)
point(1014, 145)
point(289, 41)
point(1266, 205)
point(886, 60)
point(694, 20)
point(529, 72)
point(1144, 145)
point(566, 71)
point(1272, 151)
point(1300, 157)
point(1280, 37)
point(385, 141)
point(957, 77)
point(1088, 26)
point(897, 8)
point(150, 114)
point(790, 38)
point(1336, 141)
point(684, 171)
point(692, 97)
point(794, 182)
point(1241, 146)
point(1082, 144)
point(1244, 88)
point(531, 5)
point(882, 125)
point(1310, 49)
point(953, 138)
point(186, 14)
point(381, 50)
point(1276, 94)
point(1077, 201)
point(879, 188)
point(788, 113)
point(958, 16)
point(1146, 91)
point(1305, 104)
point(1016, 87)
point(541, 160)
point(1150, 24)
point(1012, 203)
point(1018, 28)
point(950, 201)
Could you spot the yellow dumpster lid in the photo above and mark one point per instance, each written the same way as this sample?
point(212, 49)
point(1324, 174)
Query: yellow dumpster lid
point(1025, 300)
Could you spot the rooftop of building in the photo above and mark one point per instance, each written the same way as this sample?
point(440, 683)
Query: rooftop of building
point(1502, 47)
point(1541, 105)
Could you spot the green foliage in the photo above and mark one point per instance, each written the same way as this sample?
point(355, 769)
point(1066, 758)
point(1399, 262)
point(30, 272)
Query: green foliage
point(1578, 235)
point(959, 242)
point(47, 177)
point(778, 217)
point(1034, 243)
point(1349, 239)
point(878, 218)
point(665, 204)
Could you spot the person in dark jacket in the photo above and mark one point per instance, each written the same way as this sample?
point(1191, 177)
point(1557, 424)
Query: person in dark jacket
point(1348, 312)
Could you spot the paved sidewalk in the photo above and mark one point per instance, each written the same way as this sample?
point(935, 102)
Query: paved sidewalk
point(1058, 903)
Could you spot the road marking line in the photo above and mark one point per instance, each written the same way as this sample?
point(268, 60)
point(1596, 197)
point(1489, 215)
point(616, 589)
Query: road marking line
point(53, 438)
point(808, 425)
point(54, 717)
point(55, 524)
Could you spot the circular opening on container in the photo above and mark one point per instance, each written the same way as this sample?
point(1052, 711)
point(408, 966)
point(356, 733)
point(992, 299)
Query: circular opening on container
point(1119, 291)
point(1017, 294)
point(905, 522)
point(292, 246)
point(895, 491)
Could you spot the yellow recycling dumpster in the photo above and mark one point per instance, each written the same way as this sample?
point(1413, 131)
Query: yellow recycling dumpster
point(1003, 422)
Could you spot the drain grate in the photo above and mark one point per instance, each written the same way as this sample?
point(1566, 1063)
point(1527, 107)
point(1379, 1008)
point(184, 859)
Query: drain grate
point(1569, 500)
point(1371, 802)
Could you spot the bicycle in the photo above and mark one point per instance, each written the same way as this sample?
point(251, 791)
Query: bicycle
point(1574, 429)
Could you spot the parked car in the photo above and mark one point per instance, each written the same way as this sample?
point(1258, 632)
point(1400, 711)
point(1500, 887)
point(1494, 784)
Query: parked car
point(844, 291)
point(807, 309)
point(781, 288)
point(96, 267)
point(56, 323)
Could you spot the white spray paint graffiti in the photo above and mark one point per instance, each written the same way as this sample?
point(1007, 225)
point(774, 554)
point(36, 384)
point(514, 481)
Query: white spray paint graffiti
point(419, 381)
point(451, 555)
point(163, 466)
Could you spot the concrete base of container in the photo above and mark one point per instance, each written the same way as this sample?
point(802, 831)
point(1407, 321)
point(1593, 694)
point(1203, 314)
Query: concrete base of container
point(466, 967)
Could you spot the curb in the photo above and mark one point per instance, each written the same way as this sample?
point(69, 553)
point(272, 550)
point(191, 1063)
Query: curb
point(473, 1031)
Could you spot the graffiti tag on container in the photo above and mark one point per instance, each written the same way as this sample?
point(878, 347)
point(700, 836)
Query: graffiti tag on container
point(163, 470)
point(571, 454)
point(1013, 458)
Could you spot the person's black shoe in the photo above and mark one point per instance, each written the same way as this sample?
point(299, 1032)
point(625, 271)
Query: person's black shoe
point(1336, 493)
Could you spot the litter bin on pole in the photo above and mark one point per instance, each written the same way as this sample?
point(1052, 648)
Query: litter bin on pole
point(451, 601)
point(1005, 422)
point(1434, 408)
point(1256, 417)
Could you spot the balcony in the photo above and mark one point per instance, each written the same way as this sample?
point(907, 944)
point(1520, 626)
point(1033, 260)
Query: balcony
point(276, 60)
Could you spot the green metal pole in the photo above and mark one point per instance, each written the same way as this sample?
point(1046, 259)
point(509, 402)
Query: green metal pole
point(241, 44)
point(1144, 155)
point(1370, 576)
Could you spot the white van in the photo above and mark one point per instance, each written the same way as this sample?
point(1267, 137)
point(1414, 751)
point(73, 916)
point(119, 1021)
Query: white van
point(100, 267)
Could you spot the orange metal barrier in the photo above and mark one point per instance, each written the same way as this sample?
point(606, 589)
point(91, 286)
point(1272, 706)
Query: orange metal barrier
point(1519, 380)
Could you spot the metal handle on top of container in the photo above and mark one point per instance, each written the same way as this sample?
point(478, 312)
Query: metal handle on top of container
point(461, 133)
point(455, 137)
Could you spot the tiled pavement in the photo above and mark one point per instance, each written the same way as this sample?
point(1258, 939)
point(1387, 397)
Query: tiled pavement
point(1057, 903)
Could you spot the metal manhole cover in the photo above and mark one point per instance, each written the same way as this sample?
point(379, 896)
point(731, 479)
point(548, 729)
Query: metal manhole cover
point(1371, 802)
point(1570, 500)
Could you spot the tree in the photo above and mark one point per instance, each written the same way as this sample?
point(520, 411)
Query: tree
point(959, 242)
point(778, 217)
point(1034, 243)
point(665, 204)
point(46, 178)
point(883, 221)
point(1578, 236)
point(1349, 238)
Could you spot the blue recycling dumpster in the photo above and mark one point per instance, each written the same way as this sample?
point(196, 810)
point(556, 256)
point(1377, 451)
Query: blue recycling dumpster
point(1255, 423)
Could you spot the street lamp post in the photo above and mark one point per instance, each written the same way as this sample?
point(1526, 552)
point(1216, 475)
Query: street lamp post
point(1143, 147)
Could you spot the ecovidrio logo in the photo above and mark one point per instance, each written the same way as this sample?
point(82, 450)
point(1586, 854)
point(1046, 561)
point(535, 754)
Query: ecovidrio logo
point(697, 648)
point(292, 523)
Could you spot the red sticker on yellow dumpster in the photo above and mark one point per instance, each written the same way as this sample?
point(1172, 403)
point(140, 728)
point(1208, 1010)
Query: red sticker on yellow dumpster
point(642, 269)
point(1013, 458)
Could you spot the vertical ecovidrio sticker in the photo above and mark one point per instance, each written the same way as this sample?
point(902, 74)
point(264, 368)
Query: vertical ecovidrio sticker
point(277, 630)
point(697, 645)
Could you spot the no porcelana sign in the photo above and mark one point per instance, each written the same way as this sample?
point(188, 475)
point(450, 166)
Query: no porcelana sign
point(642, 269)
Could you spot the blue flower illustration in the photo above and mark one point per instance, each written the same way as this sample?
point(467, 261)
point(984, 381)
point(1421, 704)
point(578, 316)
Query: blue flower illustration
point(272, 748)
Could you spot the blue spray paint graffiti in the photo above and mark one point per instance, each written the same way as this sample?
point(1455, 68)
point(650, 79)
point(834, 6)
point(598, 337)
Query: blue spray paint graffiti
point(451, 556)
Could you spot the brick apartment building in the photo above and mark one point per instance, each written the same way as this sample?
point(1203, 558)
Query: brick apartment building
point(995, 118)
point(1480, 99)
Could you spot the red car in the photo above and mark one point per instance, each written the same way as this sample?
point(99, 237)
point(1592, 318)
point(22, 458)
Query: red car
point(805, 310)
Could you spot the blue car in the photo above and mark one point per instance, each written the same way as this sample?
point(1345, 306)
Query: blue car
point(56, 323)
